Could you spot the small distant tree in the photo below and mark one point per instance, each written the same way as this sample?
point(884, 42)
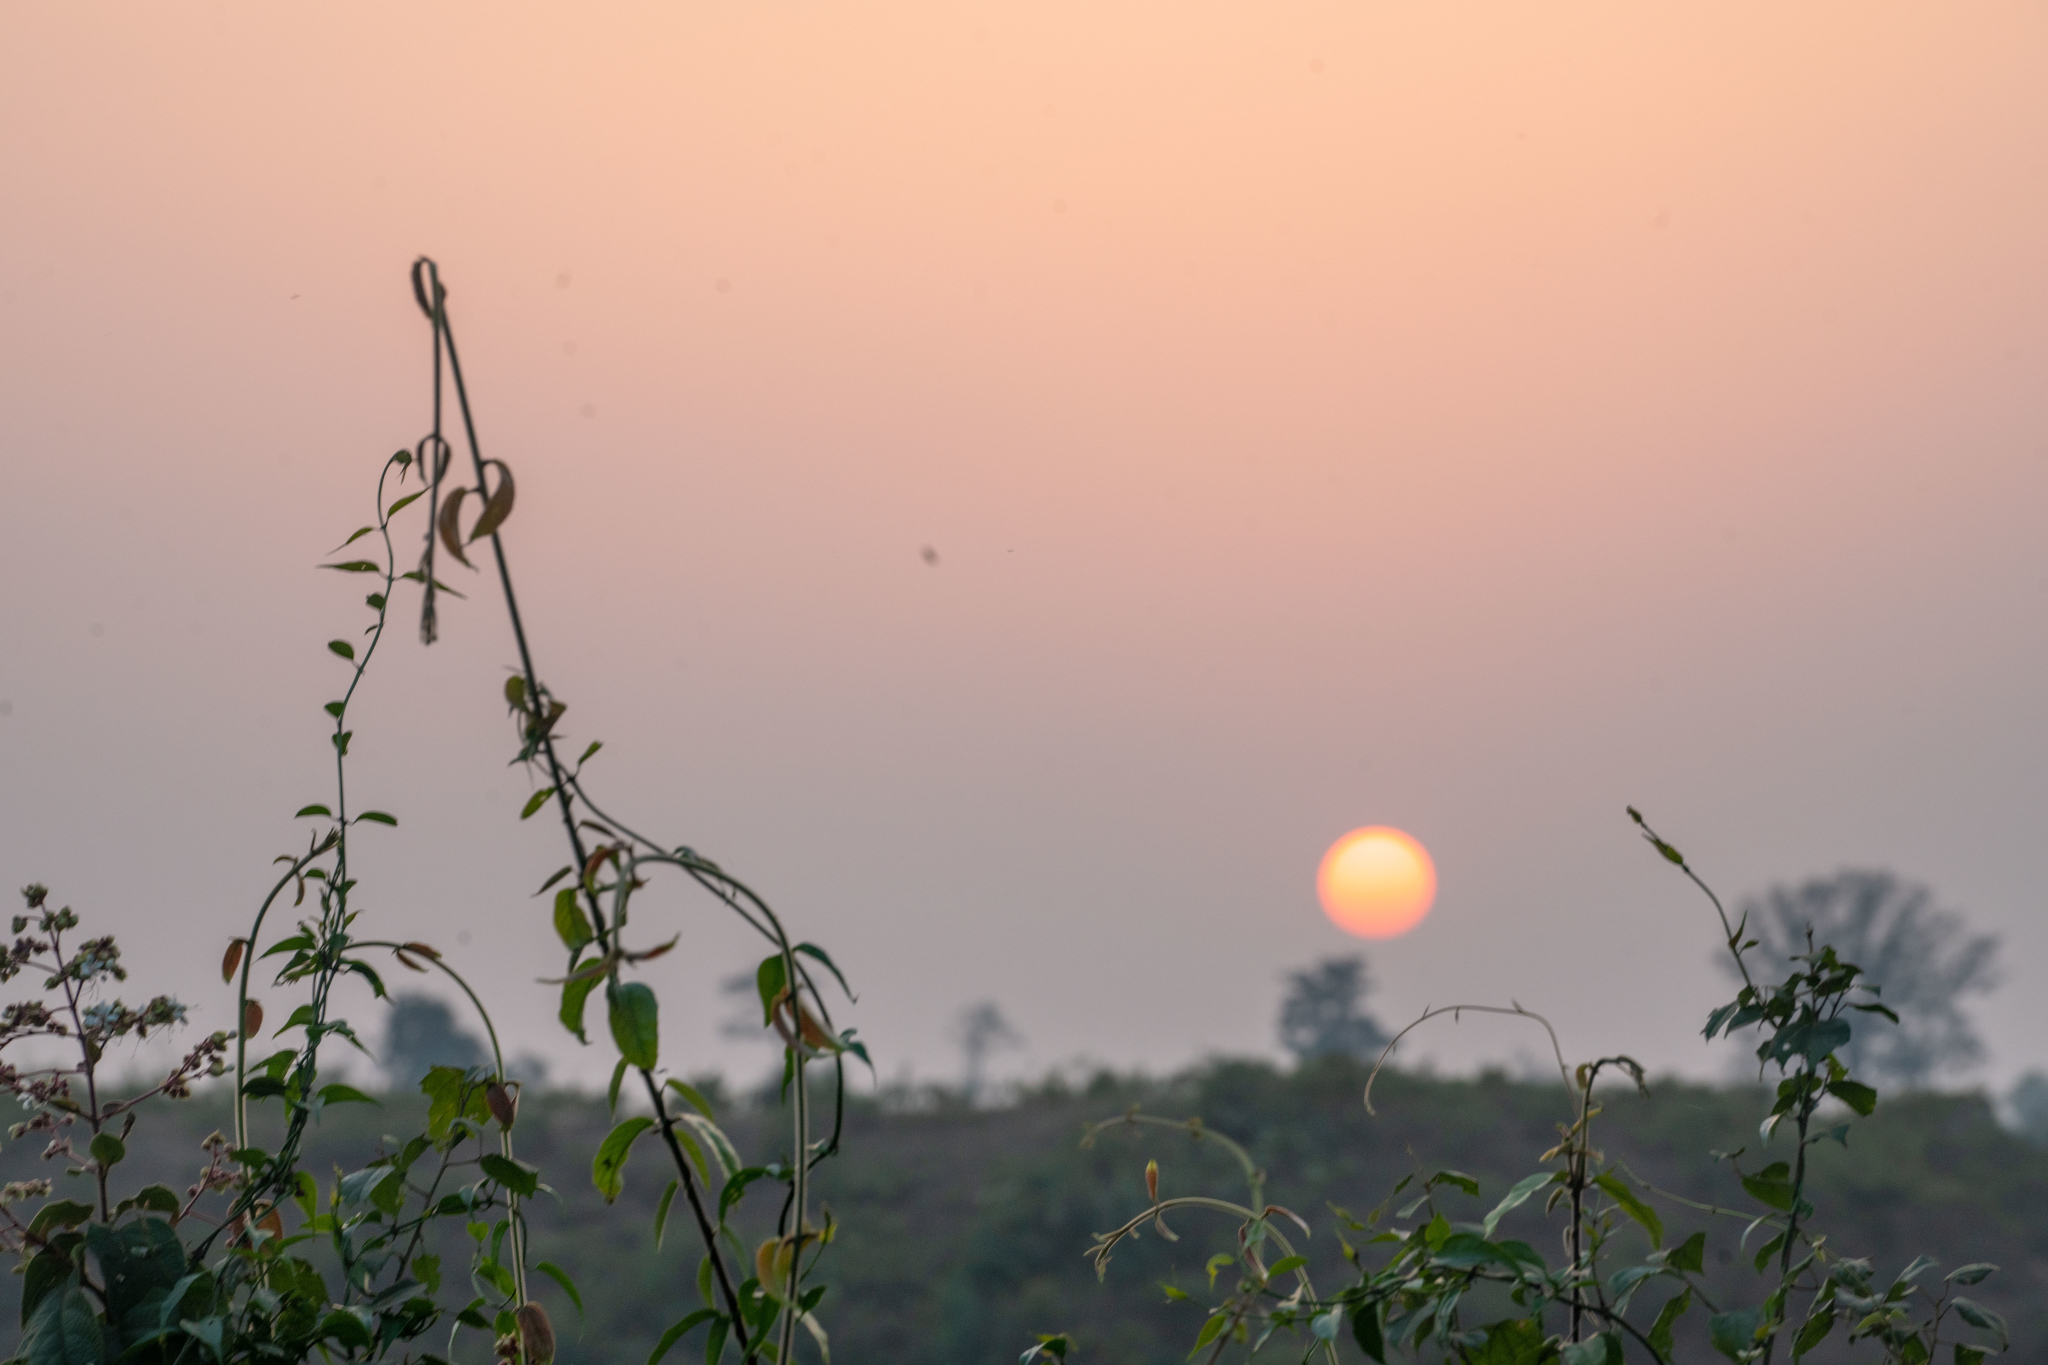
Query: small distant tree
point(422, 1035)
point(2027, 1102)
point(1322, 1014)
point(981, 1029)
point(1922, 956)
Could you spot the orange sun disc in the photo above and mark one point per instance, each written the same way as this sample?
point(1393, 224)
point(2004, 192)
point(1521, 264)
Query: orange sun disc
point(1376, 882)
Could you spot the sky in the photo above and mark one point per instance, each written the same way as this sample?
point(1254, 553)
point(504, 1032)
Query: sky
point(1470, 418)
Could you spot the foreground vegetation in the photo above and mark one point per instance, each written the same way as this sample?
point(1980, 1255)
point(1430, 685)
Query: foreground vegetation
point(965, 1232)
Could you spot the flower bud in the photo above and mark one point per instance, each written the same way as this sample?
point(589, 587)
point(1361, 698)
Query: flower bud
point(1152, 1181)
point(536, 1334)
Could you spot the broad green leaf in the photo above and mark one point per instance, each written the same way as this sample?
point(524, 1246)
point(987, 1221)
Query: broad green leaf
point(1632, 1206)
point(1771, 1186)
point(1662, 1329)
point(1365, 1330)
point(574, 996)
point(636, 1025)
point(1977, 1315)
point(64, 1330)
point(59, 1213)
point(315, 809)
point(1856, 1095)
point(343, 648)
point(1813, 1331)
point(572, 926)
point(345, 1094)
point(1974, 1273)
point(1285, 1264)
point(608, 1171)
point(1689, 1255)
point(1734, 1333)
point(1604, 1349)
point(377, 817)
point(1458, 1178)
point(770, 979)
point(1512, 1341)
point(108, 1150)
point(515, 1176)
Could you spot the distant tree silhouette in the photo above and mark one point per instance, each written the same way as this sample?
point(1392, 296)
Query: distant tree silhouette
point(423, 1034)
point(2027, 1102)
point(1922, 956)
point(980, 1030)
point(1321, 1014)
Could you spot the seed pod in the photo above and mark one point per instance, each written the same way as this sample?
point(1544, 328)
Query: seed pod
point(423, 950)
point(232, 960)
point(504, 1105)
point(252, 1018)
point(536, 1334)
point(1152, 1181)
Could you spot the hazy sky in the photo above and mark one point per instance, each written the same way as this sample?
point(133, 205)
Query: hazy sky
point(1464, 417)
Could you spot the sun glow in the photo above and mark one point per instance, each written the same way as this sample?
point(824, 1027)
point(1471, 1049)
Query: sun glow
point(1376, 882)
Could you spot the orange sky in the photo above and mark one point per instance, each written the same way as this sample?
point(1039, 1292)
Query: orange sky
point(1456, 417)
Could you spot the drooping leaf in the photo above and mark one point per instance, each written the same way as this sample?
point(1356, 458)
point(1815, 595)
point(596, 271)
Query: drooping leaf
point(451, 532)
point(562, 1278)
point(1664, 1328)
point(575, 994)
point(1632, 1205)
point(608, 1169)
point(636, 1025)
point(661, 1211)
point(516, 1176)
point(497, 506)
point(1813, 1331)
point(315, 809)
point(377, 817)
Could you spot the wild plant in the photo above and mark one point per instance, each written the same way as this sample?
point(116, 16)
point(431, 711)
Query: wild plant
point(755, 1300)
point(1435, 1288)
point(217, 1273)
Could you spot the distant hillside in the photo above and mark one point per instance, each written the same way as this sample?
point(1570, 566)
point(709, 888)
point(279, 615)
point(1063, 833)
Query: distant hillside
point(963, 1231)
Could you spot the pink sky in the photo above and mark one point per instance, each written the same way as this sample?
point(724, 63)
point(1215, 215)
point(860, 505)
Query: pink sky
point(1458, 417)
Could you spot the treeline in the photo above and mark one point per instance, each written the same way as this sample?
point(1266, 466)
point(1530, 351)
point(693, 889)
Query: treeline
point(963, 1231)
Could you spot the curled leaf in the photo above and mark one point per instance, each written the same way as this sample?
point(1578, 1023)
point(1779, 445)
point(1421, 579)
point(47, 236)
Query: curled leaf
point(497, 506)
point(503, 1104)
point(451, 533)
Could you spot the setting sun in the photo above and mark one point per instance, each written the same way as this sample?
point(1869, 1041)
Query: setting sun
point(1376, 882)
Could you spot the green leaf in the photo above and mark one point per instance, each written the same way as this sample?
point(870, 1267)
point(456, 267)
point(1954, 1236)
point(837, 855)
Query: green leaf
point(769, 979)
point(572, 926)
point(343, 648)
point(595, 745)
point(636, 1024)
point(1458, 1178)
point(1365, 1330)
point(356, 566)
point(714, 1340)
point(678, 1331)
point(452, 1096)
point(345, 1094)
point(1771, 1186)
point(1977, 1315)
point(515, 1176)
point(1969, 1355)
point(1285, 1264)
point(108, 1150)
point(535, 802)
point(395, 508)
point(1513, 1341)
point(1814, 1331)
point(1211, 1329)
point(1519, 1195)
point(1604, 1349)
point(612, 1095)
point(1633, 1206)
point(1856, 1095)
point(1734, 1333)
point(64, 1330)
point(59, 1213)
point(608, 1171)
point(691, 1094)
point(377, 817)
point(1974, 1273)
point(560, 873)
point(1661, 1330)
point(574, 996)
point(1173, 1294)
point(561, 1277)
point(1691, 1254)
point(315, 809)
point(661, 1211)
point(354, 536)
